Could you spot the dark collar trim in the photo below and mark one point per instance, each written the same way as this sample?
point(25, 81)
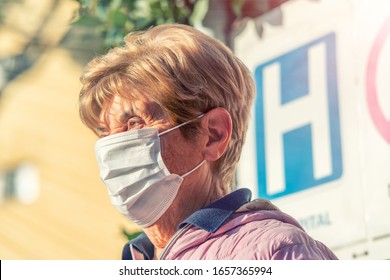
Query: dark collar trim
point(142, 244)
point(212, 217)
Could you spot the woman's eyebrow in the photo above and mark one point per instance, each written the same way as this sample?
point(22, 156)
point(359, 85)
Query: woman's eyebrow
point(127, 112)
point(123, 117)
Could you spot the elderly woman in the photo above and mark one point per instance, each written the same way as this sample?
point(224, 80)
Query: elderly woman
point(171, 108)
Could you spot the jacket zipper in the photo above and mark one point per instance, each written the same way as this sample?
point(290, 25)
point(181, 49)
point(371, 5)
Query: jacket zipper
point(173, 240)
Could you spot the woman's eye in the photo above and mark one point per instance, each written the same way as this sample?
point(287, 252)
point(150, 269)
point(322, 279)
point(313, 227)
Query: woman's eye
point(102, 132)
point(135, 123)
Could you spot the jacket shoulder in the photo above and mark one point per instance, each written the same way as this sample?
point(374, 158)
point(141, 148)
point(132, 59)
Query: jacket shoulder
point(254, 235)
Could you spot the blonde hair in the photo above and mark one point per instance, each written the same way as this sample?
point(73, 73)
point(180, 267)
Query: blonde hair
point(184, 71)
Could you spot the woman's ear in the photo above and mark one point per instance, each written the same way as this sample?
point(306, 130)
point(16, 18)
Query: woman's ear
point(218, 124)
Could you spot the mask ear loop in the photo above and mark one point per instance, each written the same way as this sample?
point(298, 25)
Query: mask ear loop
point(193, 170)
point(180, 125)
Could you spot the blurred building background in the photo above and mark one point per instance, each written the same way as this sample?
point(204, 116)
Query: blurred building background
point(53, 205)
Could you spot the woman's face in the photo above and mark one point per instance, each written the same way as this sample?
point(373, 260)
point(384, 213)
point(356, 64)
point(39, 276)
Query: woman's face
point(179, 153)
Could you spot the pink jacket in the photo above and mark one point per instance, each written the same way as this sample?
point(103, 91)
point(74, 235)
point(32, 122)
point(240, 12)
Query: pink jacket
point(235, 229)
point(259, 235)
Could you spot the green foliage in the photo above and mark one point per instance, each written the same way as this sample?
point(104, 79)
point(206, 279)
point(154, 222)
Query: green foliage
point(116, 18)
point(236, 6)
point(130, 236)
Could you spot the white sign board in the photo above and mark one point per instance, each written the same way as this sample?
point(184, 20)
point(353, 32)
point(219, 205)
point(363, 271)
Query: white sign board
point(316, 145)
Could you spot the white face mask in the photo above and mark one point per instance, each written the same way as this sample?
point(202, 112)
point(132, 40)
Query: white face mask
point(131, 166)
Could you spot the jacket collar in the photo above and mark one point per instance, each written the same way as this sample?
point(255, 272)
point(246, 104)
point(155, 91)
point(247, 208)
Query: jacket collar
point(210, 219)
